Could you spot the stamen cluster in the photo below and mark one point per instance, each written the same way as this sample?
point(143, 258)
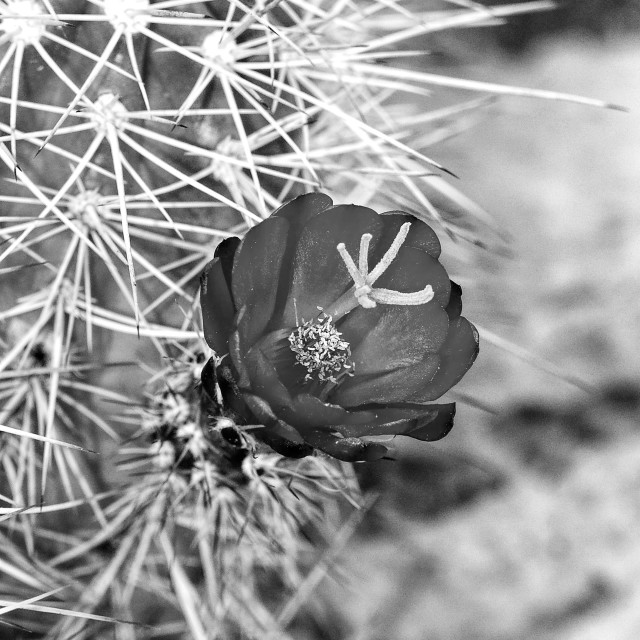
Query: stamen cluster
point(320, 349)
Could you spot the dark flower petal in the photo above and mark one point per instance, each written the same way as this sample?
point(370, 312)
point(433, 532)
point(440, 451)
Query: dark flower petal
point(301, 210)
point(237, 360)
point(320, 276)
point(217, 307)
point(391, 336)
point(425, 422)
point(283, 445)
point(279, 435)
point(454, 308)
point(346, 449)
point(298, 212)
point(226, 377)
point(262, 411)
point(208, 379)
point(393, 386)
point(421, 236)
point(307, 411)
point(413, 269)
point(302, 411)
point(264, 381)
point(456, 356)
point(275, 347)
point(226, 251)
point(256, 269)
point(433, 427)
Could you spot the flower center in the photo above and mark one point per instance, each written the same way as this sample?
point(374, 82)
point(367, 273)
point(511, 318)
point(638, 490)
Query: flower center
point(320, 349)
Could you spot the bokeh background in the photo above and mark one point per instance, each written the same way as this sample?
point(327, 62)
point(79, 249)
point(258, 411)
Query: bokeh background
point(523, 523)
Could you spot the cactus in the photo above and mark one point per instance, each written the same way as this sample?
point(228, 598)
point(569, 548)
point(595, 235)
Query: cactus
point(134, 137)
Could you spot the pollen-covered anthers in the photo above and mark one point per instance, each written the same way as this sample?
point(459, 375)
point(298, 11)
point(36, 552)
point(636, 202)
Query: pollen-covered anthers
point(364, 279)
point(320, 349)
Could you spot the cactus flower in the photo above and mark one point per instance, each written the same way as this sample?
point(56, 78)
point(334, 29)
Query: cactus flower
point(333, 325)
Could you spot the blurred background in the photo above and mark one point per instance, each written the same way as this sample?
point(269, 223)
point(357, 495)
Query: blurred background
point(523, 523)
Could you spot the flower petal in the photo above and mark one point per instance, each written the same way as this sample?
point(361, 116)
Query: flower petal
point(264, 381)
point(217, 307)
point(392, 386)
point(308, 411)
point(208, 380)
point(276, 348)
point(256, 272)
point(391, 336)
point(454, 308)
point(319, 275)
point(346, 449)
point(232, 401)
point(457, 356)
point(301, 210)
point(226, 251)
point(421, 235)
point(431, 427)
point(237, 360)
point(423, 422)
point(303, 411)
point(413, 269)
point(277, 437)
point(297, 212)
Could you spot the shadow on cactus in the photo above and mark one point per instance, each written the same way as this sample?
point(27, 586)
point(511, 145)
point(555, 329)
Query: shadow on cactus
point(328, 353)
